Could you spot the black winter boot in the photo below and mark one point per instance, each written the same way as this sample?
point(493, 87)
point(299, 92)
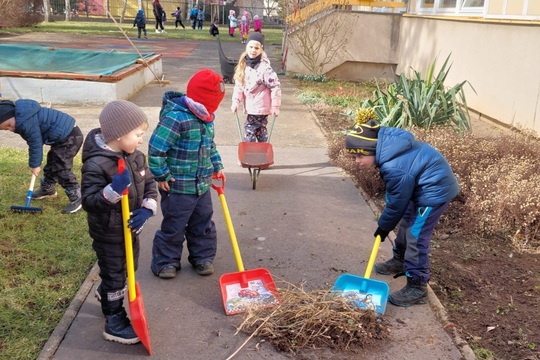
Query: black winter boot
point(395, 265)
point(414, 293)
point(45, 190)
point(75, 201)
point(118, 328)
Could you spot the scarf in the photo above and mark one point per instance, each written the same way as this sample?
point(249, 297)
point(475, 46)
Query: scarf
point(253, 62)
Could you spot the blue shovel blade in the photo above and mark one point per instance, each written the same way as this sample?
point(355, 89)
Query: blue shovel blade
point(364, 293)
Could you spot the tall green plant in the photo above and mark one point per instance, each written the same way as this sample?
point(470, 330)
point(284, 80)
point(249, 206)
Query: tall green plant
point(422, 102)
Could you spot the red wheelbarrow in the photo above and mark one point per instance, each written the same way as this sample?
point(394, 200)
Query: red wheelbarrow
point(255, 156)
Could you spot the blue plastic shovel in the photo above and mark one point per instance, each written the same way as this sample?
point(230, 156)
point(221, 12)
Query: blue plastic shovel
point(363, 291)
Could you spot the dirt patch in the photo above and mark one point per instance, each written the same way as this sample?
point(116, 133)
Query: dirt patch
point(490, 290)
point(491, 293)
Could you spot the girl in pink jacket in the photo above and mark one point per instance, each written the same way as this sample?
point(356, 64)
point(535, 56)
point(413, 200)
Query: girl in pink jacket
point(257, 87)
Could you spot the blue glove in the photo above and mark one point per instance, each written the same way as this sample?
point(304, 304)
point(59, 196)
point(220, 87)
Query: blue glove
point(382, 233)
point(121, 182)
point(138, 219)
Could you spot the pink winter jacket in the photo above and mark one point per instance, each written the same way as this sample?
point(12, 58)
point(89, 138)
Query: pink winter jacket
point(261, 93)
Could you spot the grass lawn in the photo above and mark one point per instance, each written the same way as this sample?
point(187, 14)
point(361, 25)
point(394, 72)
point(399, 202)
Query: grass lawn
point(272, 36)
point(44, 258)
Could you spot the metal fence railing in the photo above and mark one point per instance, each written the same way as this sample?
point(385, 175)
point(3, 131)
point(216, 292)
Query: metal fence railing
point(96, 9)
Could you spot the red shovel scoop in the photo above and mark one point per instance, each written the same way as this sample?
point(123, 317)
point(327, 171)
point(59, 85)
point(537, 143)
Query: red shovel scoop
point(245, 288)
point(136, 304)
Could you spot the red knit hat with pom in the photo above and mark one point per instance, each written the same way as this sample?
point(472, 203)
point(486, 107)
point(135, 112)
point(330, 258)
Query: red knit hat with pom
point(206, 87)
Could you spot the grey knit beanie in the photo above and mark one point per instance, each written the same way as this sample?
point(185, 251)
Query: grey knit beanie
point(119, 118)
point(256, 36)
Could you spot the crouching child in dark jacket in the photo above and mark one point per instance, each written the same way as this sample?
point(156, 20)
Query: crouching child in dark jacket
point(40, 126)
point(122, 127)
point(419, 186)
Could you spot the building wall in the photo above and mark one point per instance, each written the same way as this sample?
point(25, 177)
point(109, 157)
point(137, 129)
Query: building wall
point(371, 49)
point(500, 60)
point(497, 59)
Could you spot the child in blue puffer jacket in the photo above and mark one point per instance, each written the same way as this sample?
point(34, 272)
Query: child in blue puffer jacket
point(419, 186)
point(140, 22)
point(40, 126)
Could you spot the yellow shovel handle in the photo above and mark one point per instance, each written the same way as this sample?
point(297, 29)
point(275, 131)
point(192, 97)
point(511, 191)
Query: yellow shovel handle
point(128, 240)
point(373, 256)
point(230, 227)
point(129, 248)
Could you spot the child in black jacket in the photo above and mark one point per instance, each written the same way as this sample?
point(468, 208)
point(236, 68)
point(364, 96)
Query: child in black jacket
point(122, 127)
point(178, 15)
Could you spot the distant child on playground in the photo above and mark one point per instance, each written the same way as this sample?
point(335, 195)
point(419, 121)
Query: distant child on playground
point(178, 15)
point(233, 22)
point(244, 29)
point(140, 22)
point(183, 158)
point(257, 24)
point(40, 126)
point(121, 133)
point(419, 186)
point(214, 27)
point(257, 87)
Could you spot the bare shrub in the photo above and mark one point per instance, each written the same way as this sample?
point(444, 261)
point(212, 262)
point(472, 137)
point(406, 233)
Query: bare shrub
point(313, 36)
point(20, 13)
point(499, 181)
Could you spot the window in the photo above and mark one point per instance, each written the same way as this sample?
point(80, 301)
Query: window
point(448, 4)
point(456, 7)
point(473, 3)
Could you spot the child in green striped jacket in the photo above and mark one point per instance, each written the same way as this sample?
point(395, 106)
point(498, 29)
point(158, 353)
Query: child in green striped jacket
point(183, 158)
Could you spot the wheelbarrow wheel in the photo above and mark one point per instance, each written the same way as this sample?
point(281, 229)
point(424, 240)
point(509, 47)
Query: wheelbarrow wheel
point(254, 174)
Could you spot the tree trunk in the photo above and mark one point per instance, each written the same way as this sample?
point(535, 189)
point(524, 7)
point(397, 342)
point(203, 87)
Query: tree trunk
point(47, 8)
point(68, 10)
point(123, 11)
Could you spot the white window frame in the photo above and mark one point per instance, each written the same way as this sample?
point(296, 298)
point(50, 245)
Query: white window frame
point(458, 10)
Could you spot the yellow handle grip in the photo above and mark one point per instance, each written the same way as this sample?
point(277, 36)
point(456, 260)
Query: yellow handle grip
point(128, 240)
point(234, 242)
point(373, 256)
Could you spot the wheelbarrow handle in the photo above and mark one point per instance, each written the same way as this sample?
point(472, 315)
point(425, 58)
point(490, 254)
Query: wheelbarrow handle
point(220, 189)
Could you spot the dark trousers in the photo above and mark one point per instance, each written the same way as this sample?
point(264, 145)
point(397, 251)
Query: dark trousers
point(113, 273)
point(60, 161)
point(255, 128)
point(185, 217)
point(414, 238)
point(159, 23)
point(179, 22)
point(141, 29)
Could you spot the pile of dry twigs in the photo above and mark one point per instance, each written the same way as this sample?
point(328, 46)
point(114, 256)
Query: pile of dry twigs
point(314, 320)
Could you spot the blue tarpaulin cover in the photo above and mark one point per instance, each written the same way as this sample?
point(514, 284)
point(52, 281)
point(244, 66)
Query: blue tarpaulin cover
point(39, 58)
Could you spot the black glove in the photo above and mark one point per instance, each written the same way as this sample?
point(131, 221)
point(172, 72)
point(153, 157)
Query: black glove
point(138, 219)
point(382, 233)
point(121, 182)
